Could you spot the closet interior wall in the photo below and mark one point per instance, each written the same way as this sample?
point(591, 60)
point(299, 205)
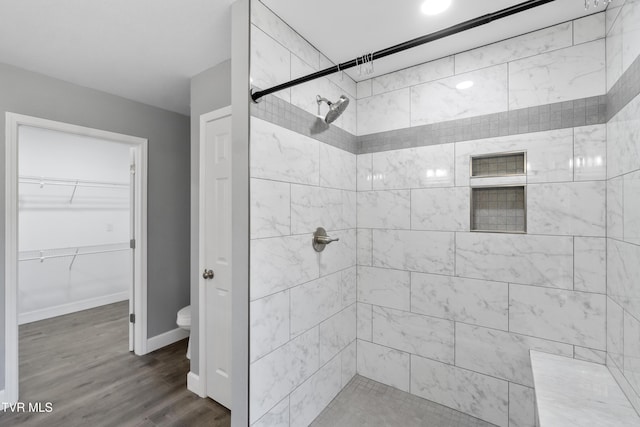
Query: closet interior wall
point(74, 223)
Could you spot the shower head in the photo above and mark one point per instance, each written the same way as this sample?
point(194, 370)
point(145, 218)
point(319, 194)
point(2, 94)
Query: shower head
point(335, 108)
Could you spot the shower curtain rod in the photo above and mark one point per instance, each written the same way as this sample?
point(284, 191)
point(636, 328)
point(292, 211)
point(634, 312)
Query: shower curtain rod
point(463, 26)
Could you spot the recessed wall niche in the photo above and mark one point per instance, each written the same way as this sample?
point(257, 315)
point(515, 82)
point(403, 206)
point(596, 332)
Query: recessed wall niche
point(499, 209)
point(498, 204)
point(506, 164)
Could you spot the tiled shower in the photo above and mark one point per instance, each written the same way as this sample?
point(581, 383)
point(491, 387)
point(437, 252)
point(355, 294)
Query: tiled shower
point(413, 295)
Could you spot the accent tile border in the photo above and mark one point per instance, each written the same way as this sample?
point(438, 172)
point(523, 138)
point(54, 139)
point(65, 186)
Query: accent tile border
point(560, 115)
point(282, 113)
point(624, 90)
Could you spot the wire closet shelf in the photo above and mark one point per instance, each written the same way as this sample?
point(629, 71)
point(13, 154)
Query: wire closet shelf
point(72, 252)
point(75, 183)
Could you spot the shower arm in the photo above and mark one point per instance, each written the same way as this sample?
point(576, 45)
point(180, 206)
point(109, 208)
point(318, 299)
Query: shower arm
point(319, 100)
point(458, 28)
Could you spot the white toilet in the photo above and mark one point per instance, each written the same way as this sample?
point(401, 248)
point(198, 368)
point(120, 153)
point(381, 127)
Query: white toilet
point(184, 321)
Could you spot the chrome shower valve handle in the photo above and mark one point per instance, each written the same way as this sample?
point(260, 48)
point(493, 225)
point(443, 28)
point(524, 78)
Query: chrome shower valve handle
point(320, 239)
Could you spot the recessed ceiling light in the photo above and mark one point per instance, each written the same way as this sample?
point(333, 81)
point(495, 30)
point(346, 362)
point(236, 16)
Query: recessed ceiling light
point(464, 85)
point(434, 7)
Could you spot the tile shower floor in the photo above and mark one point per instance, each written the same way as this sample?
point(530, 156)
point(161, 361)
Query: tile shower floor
point(364, 402)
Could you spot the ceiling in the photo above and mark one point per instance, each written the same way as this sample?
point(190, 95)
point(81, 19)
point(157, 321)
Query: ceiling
point(145, 50)
point(343, 30)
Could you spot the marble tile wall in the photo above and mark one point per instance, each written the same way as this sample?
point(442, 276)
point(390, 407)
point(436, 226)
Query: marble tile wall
point(558, 64)
point(303, 303)
point(279, 54)
point(303, 176)
point(448, 314)
point(427, 294)
point(442, 309)
point(623, 200)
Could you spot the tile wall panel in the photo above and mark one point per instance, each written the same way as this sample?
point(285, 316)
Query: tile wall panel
point(589, 28)
point(479, 302)
point(487, 291)
point(422, 167)
point(467, 391)
point(560, 315)
point(428, 291)
point(521, 406)
point(386, 111)
point(383, 364)
point(531, 44)
point(416, 334)
point(412, 76)
point(554, 76)
point(576, 209)
point(441, 100)
point(590, 153)
point(526, 259)
point(278, 416)
point(304, 176)
point(502, 354)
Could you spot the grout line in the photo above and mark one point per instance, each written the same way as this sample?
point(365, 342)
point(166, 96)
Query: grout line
point(451, 231)
point(573, 260)
point(447, 364)
point(455, 340)
point(509, 307)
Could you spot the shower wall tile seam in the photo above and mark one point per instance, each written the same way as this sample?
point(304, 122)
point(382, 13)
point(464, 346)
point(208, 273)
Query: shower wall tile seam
point(441, 187)
point(372, 340)
point(484, 232)
point(476, 278)
point(283, 181)
point(305, 234)
point(445, 363)
point(613, 298)
point(623, 241)
point(297, 285)
point(321, 366)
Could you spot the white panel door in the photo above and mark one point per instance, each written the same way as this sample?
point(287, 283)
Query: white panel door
point(217, 245)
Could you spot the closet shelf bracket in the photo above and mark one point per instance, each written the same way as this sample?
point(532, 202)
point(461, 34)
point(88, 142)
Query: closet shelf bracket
point(73, 193)
point(75, 255)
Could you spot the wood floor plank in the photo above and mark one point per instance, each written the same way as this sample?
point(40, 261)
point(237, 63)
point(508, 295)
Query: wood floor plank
point(81, 363)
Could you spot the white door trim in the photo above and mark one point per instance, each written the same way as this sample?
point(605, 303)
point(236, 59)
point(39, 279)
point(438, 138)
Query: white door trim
point(202, 336)
point(13, 121)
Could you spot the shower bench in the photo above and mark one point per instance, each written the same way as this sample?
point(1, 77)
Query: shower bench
point(572, 392)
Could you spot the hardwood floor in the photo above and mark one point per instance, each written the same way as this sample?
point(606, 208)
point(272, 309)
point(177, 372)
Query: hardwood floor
point(81, 364)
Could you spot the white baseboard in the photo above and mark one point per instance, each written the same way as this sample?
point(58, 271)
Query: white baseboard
point(72, 307)
point(166, 339)
point(194, 385)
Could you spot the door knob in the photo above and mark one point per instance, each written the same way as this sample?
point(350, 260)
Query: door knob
point(207, 274)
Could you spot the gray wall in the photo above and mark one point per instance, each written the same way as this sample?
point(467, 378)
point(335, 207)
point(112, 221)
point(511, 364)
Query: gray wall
point(210, 90)
point(240, 15)
point(33, 94)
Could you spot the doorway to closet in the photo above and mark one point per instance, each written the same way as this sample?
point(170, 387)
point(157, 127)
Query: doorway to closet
point(76, 209)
